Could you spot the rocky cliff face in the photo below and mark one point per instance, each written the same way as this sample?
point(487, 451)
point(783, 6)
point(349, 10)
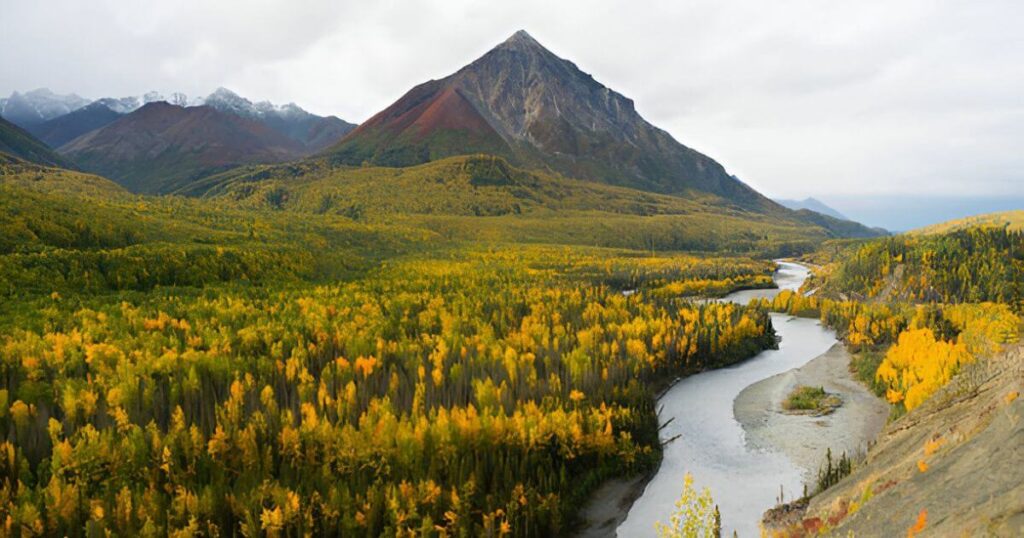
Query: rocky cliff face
point(523, 102)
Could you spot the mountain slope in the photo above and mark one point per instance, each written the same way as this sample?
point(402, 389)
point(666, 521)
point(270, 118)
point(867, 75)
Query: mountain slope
point(812, 204)
point(468, 185)
point(522, 102)
point(63, 129)
point(314, 132)
point(1012, 220)
point(841, 227)
point(950, 467)
point(37, 106)
point(17, 142)
point(162, 147)
point(484, 198)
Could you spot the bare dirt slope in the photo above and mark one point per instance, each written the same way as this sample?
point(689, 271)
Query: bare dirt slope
point(952, 467)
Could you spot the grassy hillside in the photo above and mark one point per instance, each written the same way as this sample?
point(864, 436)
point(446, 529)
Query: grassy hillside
point(467, 186)
point(65, 231)
point(969, 265)
point(1011, 220)
point(17, 142)
point(485, 198)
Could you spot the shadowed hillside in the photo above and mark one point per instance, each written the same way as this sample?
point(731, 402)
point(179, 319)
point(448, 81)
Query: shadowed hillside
point(17, 142)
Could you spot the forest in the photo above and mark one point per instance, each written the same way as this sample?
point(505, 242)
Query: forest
point(970, 265)
point(918, 307)
point(467, 391)
point(179, 366)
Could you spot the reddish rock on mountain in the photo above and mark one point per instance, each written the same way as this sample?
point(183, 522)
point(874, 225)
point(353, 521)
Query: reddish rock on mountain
point(522, 102)
point(162, 147)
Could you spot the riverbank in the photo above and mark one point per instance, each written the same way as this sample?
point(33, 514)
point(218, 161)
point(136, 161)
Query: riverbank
point(609, 505)
point(805, 438)
point(708, 442)
point(950, 467)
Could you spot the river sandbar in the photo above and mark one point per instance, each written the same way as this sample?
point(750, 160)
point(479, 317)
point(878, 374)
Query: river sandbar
point(805, 438)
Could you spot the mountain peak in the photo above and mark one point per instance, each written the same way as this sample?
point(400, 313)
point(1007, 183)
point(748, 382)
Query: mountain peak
point(521, 46)
point(221, 91)
point(523, 102)
point(37, 106)
point(812, 204)
point(520, 40)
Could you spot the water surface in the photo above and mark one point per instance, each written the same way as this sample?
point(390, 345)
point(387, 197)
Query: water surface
point(711, 447)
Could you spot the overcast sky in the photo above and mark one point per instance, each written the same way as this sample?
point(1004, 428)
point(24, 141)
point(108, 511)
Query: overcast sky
point(795, 97)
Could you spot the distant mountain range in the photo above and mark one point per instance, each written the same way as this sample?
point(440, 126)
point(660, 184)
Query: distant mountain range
point(812, 204)
point(109, 136)
point(160, 147)
point(313, 132)
point(58, 131)
point(37, 106)
point(58, 119)
point(524, 103)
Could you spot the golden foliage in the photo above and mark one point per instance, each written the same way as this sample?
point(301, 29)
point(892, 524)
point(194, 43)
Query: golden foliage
point(695, 516)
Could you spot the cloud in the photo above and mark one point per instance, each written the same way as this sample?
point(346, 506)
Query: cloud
point(797, 97)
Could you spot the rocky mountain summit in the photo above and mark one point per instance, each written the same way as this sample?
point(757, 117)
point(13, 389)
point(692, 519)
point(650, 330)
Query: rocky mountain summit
point(523, 102)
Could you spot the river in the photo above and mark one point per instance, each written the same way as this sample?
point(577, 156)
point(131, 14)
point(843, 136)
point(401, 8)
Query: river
point(710, 444)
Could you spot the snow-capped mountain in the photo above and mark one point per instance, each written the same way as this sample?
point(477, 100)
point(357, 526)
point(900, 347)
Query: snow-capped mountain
point(226, 100)
point(127, 105)
point(49, 116)
point(35, 107)
point(63, 129)
point(161, 147)
point(312, 131)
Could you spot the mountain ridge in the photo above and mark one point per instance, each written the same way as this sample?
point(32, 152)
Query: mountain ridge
point(57, 119)
point(19, 145)
point(483, 196)
point(161, 146)
point(60, 130)
point(1012, 220)
point(812, 204)
point(312, 131)
point(548, 114)
point(37, 106)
